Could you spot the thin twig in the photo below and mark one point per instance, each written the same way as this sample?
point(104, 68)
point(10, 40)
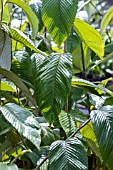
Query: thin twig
point(78, 129)
point(44, 160)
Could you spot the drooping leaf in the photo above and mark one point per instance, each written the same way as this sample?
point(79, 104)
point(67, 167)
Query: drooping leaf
point(82, 83)
point(53, 82)
point(22, 38)
point(59, 18)
point(102, 121)
point(17, 81)
point(29, 13)
point(90, 37)
point(23, 121)
point(67, 123)
point(5, 50)
point(68, 155)
point(106, 19)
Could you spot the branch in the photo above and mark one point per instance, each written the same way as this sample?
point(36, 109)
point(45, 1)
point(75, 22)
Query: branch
point(78, 129)
point(44, 160)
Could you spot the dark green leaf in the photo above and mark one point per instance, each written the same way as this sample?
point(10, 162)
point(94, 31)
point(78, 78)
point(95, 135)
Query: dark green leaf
point(102, 121)
point(67, 155)
point(59, 18)
point(53, 82)
point(67, 123)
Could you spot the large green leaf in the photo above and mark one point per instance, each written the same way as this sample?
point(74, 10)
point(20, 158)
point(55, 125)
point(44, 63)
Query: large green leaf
point(29, 13)
point(17, 81)
point(68, 155)
point(106, 19)
point(53, 82)
point(90, 37)
point(23, 121)
point(102, 121)
point(5, 50)
point(19, 36)
point(67, 123)
point(58, 17)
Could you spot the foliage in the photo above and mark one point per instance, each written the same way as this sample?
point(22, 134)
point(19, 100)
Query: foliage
point(55, 85)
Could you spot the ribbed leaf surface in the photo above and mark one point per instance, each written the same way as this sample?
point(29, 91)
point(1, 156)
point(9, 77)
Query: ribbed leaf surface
point(58, 17)
point(22, 120)
point(103, 126)
point(5, 50)
point(53, 82)
point(29, 13)
point(90, 37)
point(67, 123)
point(67, 155)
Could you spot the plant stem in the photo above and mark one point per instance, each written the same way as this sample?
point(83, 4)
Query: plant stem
point(78, 129)
point(83, 63)
point(44, 160)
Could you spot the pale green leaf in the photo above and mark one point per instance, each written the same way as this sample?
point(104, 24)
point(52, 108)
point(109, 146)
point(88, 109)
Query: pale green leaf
point(106, 19)
point(90, 37)
point(68, 155)
point(29, 13)
point(5, 166)
point(5, 50)
point(58, 17)
point(6, 87)
point(23, 121)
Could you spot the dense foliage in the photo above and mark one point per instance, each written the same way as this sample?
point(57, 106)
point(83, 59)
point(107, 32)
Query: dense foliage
point(56, 99)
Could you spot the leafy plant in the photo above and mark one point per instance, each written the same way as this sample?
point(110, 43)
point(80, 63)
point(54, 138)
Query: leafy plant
point(51, 115)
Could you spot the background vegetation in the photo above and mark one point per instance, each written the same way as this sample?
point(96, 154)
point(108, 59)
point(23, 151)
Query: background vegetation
point(56, 99)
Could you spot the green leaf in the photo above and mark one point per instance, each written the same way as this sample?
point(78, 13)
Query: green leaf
point(77, 58)
point(7, 86)
point(102, 121)
point(69, 154)
point(17, 81)
point(59, 18)
point(53, 82)
point(106, 19)
point(29, 13)
point(5, 166)
point(5, 50)
point(67, 123)
point(90, 37)
point(23, 121)
point(84, 83)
